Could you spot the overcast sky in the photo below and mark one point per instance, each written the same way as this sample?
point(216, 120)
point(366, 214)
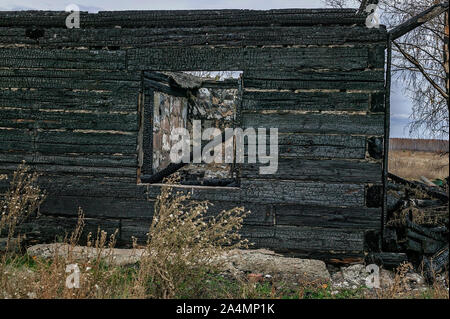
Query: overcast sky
point(400, 105)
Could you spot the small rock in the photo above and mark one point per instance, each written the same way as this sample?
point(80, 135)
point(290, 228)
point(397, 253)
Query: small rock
point(287, 269)
point(415, 279)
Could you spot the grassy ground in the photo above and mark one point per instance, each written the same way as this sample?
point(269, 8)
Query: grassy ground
point(177, 264)
point(25, 270)
point(412, 164)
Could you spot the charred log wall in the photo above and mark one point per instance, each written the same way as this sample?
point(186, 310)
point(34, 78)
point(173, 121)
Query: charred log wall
point(70, 103)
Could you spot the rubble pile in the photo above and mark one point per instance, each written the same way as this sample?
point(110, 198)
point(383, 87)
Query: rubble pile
point(417, 225)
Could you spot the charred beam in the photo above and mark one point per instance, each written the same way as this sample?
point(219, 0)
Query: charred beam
point(418, 20)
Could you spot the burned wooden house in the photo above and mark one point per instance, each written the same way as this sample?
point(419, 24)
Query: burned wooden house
point(87, 107)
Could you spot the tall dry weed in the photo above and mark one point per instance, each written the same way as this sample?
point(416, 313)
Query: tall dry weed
point(184, 244)
point(22, 199)
point(182, 249)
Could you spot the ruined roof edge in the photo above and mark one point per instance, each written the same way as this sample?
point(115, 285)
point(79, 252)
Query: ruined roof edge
point(189, 18)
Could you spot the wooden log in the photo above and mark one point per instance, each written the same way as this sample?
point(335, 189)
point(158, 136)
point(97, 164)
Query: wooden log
point(237, 59)
point(318, 170)
point(62, 148)
point(52, 98)
point(314, 146)
point(387, 259)
point(317, 123)
point(306, 193)
point(88, 185)
point(308, 101)
point(98, 207)
point(46, 229)
point(62, 59)
point(418, 20)
point(312, 84)
point(79, 170)
point(431, 191)
point(85, 75)
point(191, 36)
point(317, 239)
point(68, 83)
point(76, 160)
point(434, 265)
point(187, 18)
point(356, 218)
point(31, 119)
point(86, 138)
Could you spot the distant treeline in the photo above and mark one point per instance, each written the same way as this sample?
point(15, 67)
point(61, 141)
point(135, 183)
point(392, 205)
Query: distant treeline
point(410, 144)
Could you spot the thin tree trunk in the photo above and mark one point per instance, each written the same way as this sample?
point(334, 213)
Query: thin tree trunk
point(446, 59)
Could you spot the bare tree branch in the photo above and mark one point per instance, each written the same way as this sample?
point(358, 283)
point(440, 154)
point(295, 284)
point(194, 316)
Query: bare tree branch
point(421, 69)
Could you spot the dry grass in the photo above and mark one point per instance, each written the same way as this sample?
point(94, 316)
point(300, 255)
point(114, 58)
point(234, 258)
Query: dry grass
point(180, 259)
point(182, 249)
point(23, 198)
point(183, 244)
point(412, 165)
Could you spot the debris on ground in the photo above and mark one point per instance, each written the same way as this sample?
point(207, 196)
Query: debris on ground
point(417, 225)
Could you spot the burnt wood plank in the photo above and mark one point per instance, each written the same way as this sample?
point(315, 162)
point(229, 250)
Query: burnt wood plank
point(418, 20)
point(86, 137)
point(222, 194)
point(319, 239)
point(23, 118)
point(72, 159)
point(52, 98)
point(236, 59)
point(306, 193)
point(48, 229)
point(187, 18)
point(343, 171)
point(86, 185)
point(64, 148)
point(62, 59)
point(315, 145)
point(87, 75)
point(69, 83)
point(49, 168)
point(192, 36)
point(95, 207)
point(322, 146)
point(314, 101)
point(329, 76)
point(356, 218)
point(328, 123)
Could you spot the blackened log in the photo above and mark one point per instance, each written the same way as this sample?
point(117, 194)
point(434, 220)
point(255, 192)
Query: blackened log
point(393, 203)
point(390, 239)
point(429, 190)
point(418, 20)
point(187, 18)
point(423, 231)
point(427, 202)
point(387, 260)
point(435, 264)
point(428, 245)
point(158, 177)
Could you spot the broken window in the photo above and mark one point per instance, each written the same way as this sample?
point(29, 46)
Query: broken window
point(202, 105)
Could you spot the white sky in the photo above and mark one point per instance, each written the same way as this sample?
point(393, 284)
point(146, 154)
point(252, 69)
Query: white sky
point(400, 105)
